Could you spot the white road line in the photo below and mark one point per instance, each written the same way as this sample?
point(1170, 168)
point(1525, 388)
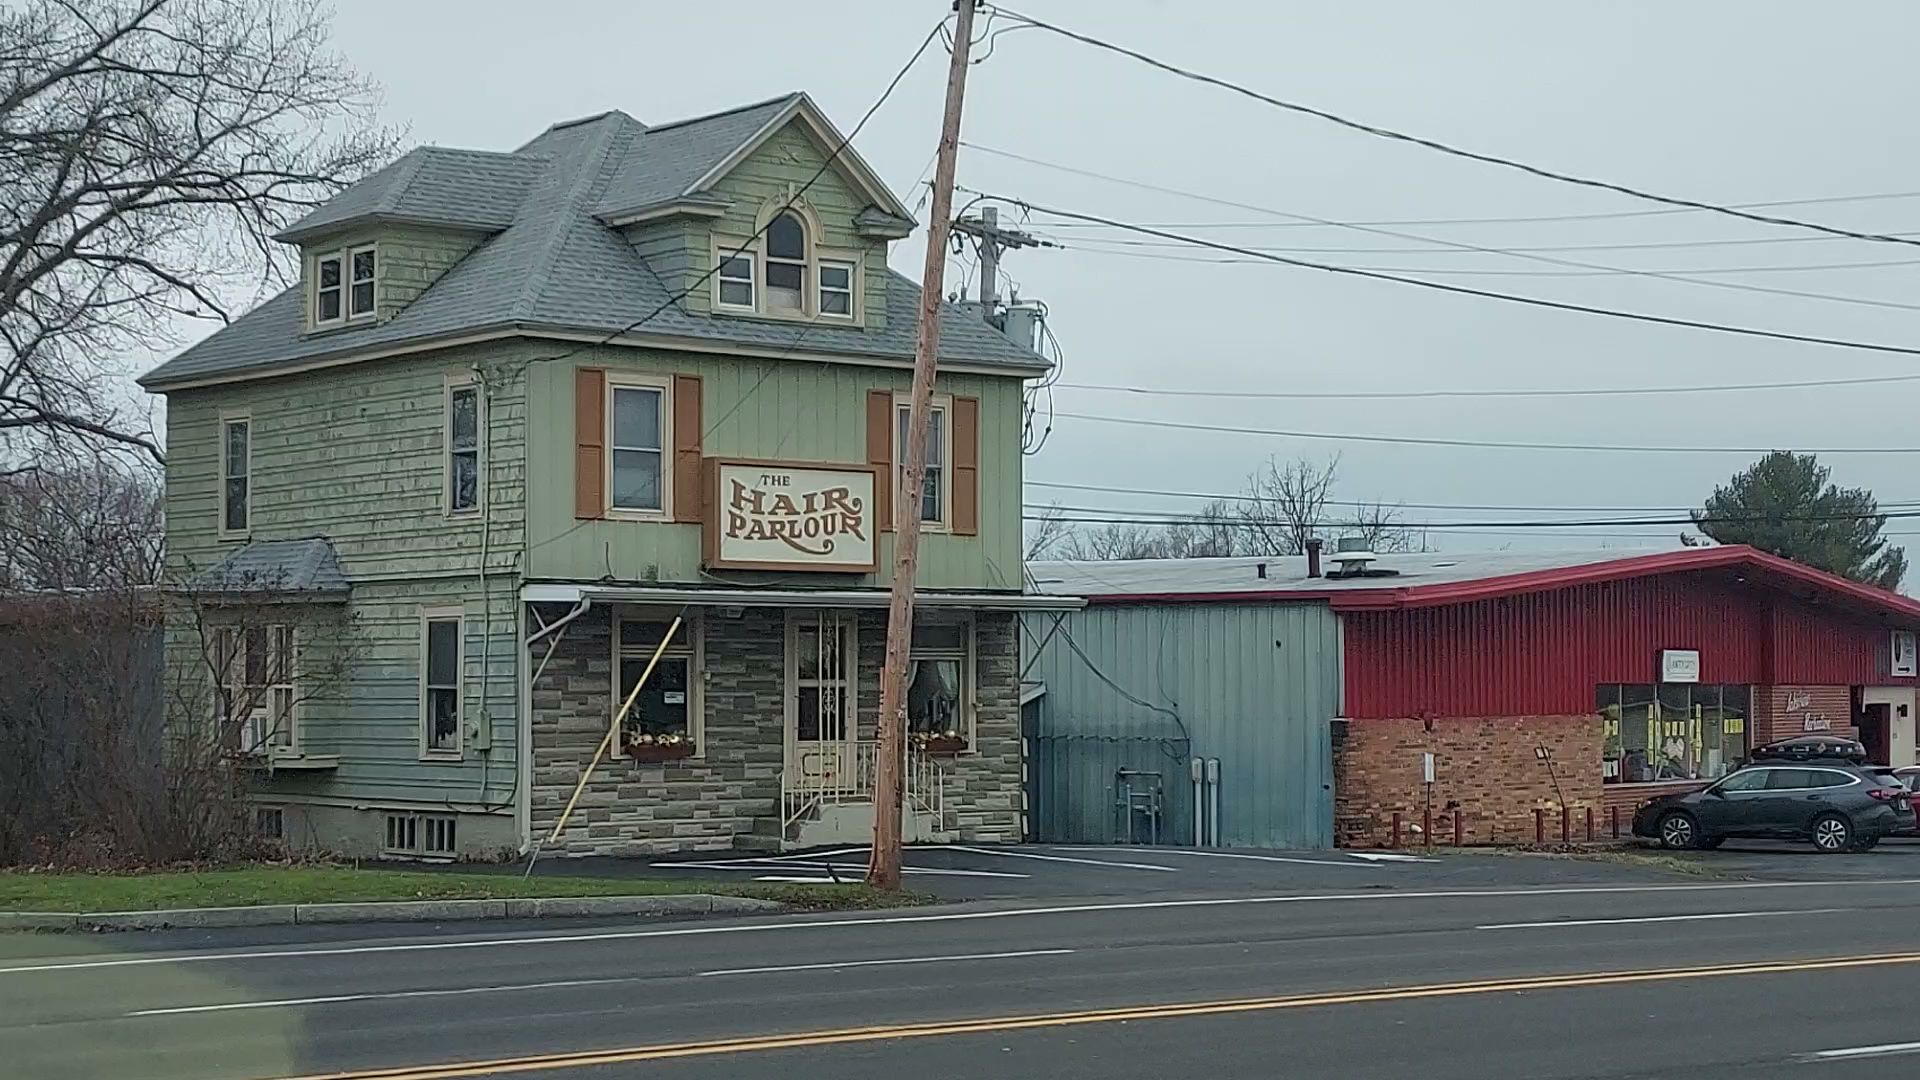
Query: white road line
point(852, 870)
point(1659, 918)
point(796, 857)
point(1387, 856)
point(797, 879)
point(889, 963)
point(1883, 1050)
point(807, 923)
point(287, 1003)
point(1063, 859)
point(1196, 853)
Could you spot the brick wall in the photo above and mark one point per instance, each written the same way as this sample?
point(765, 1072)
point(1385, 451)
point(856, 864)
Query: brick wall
point(1781, 712)
point(729, 796)
point(1485, 767)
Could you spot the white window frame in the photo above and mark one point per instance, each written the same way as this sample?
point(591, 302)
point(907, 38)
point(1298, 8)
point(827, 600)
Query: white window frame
point(617, 381)
point(315, 291)
point(808, 262)
point(943, 416)
point(689, 644)
point(227, 421)
point(852, 291)
point(372, 282)
point(457, 616)
point(724, 249)
point(964, 655)
point(455, 385)
point(265, 715)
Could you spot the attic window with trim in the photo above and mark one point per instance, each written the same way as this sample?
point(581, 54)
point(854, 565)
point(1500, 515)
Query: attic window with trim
point(786, 262)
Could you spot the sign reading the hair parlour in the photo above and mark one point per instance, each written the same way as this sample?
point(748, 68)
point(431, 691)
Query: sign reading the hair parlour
point(765, 515)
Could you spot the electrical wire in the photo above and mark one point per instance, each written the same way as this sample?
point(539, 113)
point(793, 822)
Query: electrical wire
point(1447, 148)
point(1517, 220)
point(1461, 246)
point(1217, 497)
point(1414, 440)
point(1403, 395)
point(1120, 247)
point(1463, 290)
point(1114, 516)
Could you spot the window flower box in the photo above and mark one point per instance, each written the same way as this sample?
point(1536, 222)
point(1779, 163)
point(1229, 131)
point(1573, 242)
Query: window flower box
point(940, 743)
point(659, 748)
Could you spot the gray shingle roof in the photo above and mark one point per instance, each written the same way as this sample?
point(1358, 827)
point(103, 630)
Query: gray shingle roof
point(303, 568)
point(432, 185)
point(554, 265)
point(664, 163)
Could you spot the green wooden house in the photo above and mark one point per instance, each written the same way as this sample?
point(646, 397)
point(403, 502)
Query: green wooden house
point(436, 508)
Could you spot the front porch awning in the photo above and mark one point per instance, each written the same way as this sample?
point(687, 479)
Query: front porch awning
point(572, 593)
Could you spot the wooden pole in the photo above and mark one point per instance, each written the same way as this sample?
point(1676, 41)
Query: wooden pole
point(890, 753)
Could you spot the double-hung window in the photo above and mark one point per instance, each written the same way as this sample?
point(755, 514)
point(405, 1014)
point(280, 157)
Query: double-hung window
point(786, 263)
point(329, 305)
point(735, 278)
point(836, 288)
point(933, 483)
point(255, 692)
point(360, 293)
point(463, 447)
point(664, 722)
point(441, 633)
point(636, 445)
point(939, 686)
point(236, 474)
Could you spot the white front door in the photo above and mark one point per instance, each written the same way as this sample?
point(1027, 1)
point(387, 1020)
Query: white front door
point(823, 749)
point(1902, 746)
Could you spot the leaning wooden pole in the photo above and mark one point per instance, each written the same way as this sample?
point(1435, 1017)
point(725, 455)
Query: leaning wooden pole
point(890, 755)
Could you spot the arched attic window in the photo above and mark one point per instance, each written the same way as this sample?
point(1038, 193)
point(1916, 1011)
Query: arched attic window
point(786, 263)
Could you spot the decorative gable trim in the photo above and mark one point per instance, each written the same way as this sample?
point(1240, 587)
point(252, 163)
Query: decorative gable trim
point(696, 206)
point(849, 161)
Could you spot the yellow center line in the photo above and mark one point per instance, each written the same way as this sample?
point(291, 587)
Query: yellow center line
point(840, 1036)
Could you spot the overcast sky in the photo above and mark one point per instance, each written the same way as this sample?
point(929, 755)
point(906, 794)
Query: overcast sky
point(1723, 102)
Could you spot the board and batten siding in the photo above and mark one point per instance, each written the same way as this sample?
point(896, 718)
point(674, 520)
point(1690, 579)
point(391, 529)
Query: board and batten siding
point(355, 454)
point(1253, 685)
point(762, 409)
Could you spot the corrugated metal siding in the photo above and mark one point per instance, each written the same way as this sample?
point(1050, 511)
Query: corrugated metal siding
point(1543, 653)
point(1253, 685)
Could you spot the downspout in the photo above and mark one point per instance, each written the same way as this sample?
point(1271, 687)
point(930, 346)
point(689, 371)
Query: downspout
point(484, 425)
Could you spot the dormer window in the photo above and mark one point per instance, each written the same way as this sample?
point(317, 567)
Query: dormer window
point(343, 286)
point(786, 264)
point(783, 272)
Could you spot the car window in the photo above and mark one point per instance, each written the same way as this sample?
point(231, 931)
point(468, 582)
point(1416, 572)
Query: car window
point(1745, 780)
point(1885, 777)
point(1791, 779)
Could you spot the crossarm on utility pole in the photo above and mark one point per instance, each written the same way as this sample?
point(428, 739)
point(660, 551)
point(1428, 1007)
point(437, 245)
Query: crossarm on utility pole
point(890, 753)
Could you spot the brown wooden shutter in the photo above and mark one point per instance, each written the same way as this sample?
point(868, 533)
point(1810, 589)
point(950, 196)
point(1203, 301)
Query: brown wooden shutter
point(880, 439)
point(687, 421)
point(966, 466)
point(589, 443)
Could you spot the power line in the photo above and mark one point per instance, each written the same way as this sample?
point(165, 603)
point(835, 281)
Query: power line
point(1125, 517)
point(1412, 440)
point(1440, 286)
point(1638, 245)
point(1447, 148)
point(1798, 268)
point(1456, 245)
point(1394, 505)
point(1401, 395)
point(1518, 220)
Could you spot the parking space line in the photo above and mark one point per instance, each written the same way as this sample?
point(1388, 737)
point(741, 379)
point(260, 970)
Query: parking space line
point(1197, 853)
point(1064, 859)
point(855, 869)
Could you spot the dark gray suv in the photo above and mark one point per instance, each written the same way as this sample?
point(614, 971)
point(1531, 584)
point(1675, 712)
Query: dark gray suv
point(1838, 803)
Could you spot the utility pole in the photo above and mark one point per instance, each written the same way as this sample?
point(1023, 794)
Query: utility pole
point(992, 240)
point(890, 753)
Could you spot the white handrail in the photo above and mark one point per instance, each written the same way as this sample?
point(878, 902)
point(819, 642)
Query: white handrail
point(843, 772)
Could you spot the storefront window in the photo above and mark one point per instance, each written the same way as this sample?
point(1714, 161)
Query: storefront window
point(663, 716)
point(1673, 731)
point(937, 714)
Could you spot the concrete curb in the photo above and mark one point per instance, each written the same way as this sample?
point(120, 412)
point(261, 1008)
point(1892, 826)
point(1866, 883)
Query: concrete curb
point(402, 911)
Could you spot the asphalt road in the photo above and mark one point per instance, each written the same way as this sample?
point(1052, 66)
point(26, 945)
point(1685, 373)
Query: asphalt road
point(1715, 979)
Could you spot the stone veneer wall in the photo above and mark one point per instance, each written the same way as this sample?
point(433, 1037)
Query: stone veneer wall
point(729, 796)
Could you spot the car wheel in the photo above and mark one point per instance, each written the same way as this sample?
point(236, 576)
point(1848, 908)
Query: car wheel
point(1678, 831)
point(1832, 834)
point(1865, 843)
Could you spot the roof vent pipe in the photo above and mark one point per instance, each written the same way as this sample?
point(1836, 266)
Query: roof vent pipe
point(1260, 570)
point(1313, 556)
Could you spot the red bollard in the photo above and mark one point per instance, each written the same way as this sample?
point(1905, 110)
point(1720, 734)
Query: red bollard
point(1613, 813)
point(1589, 824)
point(1459, 831)
point(1566, 823)
point(1394, 840)
point(1539, 825)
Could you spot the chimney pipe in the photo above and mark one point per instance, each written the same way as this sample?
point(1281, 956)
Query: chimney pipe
point(1260, 570)
point(1313, 556)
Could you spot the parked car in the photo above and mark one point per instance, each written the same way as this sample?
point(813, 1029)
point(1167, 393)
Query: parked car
point(1818, 789)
